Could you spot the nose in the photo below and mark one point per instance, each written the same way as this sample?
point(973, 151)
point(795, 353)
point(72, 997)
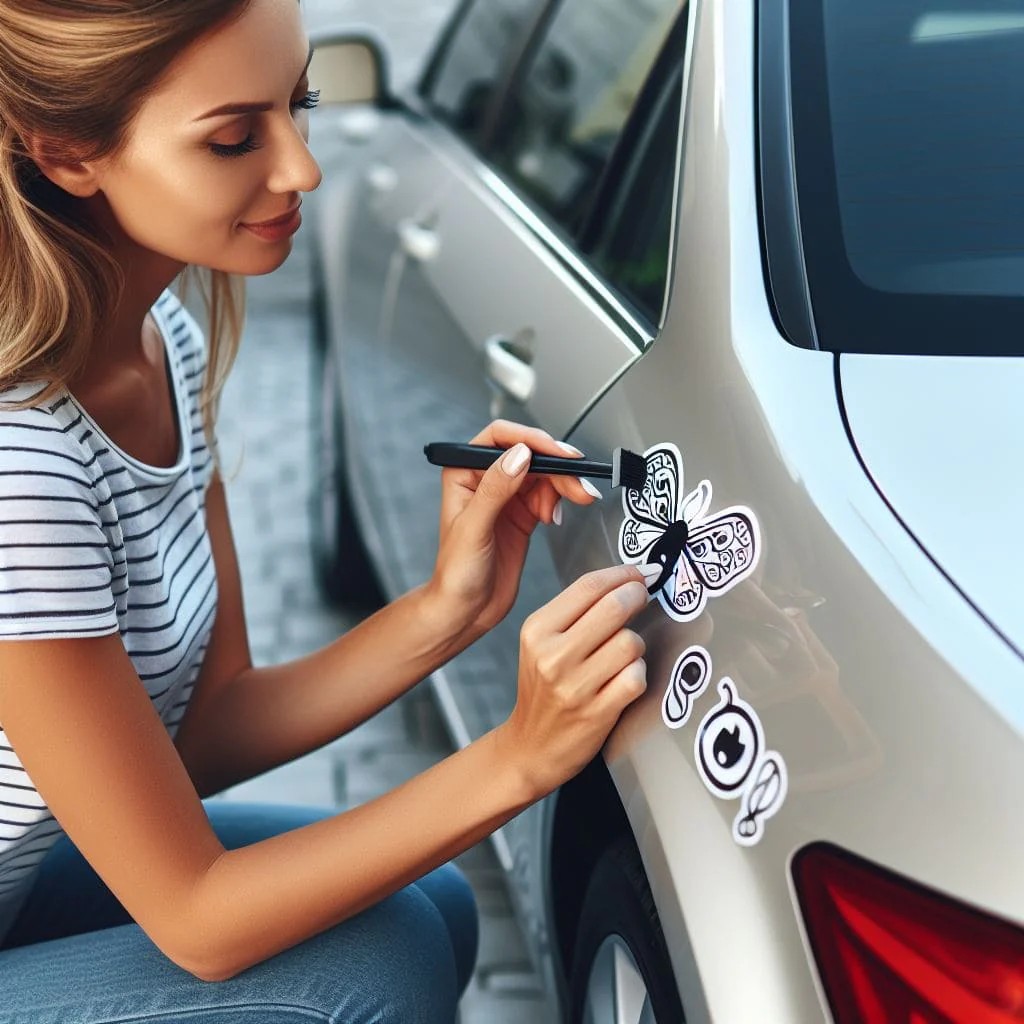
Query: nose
point(294, 170)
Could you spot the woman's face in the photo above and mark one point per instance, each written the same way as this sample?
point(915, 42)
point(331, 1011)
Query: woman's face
point(220, 147)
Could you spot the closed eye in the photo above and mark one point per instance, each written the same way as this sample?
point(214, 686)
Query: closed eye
point(249, 143)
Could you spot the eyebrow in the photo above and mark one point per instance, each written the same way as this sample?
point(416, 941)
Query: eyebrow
point(249, 108)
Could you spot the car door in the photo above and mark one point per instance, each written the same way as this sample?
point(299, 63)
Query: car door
point(496, 311)
point(373, 212)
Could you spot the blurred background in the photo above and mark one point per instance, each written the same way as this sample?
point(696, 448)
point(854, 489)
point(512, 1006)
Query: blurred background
point(265, 435)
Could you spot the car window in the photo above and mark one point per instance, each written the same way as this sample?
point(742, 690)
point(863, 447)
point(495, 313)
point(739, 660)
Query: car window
point(909, 157)
point(473, 60)
point(571, 98)
point(632, 251)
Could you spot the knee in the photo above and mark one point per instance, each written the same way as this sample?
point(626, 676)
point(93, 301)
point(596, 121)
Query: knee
point(403, 953)
point(449, 891)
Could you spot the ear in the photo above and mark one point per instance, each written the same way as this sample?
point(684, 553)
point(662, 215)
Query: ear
point(57, 163)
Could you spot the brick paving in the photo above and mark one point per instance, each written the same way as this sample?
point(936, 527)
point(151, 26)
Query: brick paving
point(265, 437)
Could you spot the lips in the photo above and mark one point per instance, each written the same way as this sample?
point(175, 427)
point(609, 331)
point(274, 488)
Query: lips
point(283, 219)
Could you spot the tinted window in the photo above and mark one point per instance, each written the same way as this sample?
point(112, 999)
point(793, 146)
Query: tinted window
point(474, 58)
point(633, 253)
point(910, 158)
point(572, 98)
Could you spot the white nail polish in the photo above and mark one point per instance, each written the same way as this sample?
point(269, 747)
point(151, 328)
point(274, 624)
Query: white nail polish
point(515, 458)
point(556, 515)
point(590, 488)
point(650, 572)
point(569, 449)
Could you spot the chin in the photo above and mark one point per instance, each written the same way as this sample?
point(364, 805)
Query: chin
point(258, 265)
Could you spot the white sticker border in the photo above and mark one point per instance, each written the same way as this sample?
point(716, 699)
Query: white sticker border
point(700, 500)
point(768, 774)
point(686, 696)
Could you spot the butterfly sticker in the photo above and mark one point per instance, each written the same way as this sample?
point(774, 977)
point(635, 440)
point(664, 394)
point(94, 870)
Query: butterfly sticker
point(700, 555)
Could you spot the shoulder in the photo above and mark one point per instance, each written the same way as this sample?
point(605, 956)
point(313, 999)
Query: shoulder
point(44, 441)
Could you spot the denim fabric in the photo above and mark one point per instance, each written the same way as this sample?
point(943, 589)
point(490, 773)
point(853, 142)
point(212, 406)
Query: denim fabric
point(75, 956)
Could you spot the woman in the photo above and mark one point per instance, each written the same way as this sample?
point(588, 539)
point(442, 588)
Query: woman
point(138, 139)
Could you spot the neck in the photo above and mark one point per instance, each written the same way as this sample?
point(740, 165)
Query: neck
point(124, 342)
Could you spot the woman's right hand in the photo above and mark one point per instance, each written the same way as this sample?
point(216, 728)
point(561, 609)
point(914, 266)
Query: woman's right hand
point(579, 667)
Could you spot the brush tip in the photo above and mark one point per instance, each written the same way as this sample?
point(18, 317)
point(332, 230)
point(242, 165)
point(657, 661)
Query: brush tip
point(628, 469)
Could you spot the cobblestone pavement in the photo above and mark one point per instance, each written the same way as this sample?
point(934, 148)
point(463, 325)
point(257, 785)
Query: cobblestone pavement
point(264, 432)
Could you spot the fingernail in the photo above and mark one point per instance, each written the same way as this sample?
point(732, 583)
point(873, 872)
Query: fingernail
point(631, 596)
point(569, 449)
point(513, 461)
point(556, 515)
point(650, 572)
point(590, 488)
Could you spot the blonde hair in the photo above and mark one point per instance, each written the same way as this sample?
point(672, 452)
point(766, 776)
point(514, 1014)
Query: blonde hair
point(74, 74)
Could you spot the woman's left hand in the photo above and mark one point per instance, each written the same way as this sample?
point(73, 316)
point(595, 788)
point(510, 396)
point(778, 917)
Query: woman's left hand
point(487, 518)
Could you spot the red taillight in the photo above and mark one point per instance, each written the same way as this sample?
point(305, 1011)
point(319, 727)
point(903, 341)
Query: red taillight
point(890, 951)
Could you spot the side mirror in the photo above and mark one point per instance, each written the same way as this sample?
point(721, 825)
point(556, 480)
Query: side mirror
point(350, 67)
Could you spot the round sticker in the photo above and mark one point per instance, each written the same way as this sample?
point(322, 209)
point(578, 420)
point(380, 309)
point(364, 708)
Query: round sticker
point(729, 741)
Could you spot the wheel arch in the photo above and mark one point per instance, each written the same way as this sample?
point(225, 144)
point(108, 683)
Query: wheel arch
point(588, 816)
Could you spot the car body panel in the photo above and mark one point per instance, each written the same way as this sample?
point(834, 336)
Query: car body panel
point(427, 365)
point(898, 710)
point(387, 389)
point(870, 704)
point(931, 432)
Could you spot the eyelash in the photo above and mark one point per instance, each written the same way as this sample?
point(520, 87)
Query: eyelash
point(249, 143)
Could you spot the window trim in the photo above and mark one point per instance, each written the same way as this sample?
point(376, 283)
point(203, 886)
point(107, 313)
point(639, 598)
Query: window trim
point(782, 250)
point(502, 84)
point(629, 319)
point(636, 134)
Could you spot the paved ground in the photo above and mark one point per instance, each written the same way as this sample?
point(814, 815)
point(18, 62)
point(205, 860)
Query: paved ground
point(264, 430)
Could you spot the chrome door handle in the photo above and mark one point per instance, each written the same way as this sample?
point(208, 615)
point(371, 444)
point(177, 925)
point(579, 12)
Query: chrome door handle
point(418, 242)
point(507, 370)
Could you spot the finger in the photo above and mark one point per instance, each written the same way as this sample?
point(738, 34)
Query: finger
point(521, 514)
point(578, 490)
point(552, 489)
point(603, 620)
point(619, 651)
point(495, 491)
point(542, 501)
point(562, 611)
point(621, 690)
point(505, 433)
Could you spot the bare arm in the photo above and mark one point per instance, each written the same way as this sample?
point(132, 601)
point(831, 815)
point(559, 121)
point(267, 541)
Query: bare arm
point(298, 884)
point(242, 721)
point(93, 745)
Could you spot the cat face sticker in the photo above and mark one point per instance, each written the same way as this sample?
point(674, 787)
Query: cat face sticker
point(732, 761)
point(700, 554)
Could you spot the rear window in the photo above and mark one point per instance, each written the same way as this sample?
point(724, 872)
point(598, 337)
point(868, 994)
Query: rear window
point(909, 144)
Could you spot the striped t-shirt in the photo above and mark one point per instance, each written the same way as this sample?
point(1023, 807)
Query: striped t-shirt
point(93, 541)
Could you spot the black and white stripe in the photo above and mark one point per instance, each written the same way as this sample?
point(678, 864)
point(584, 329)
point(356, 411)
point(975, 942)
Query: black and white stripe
point(92, 542)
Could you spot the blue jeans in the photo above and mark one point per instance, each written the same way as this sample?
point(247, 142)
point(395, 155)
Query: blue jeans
point(75, 956)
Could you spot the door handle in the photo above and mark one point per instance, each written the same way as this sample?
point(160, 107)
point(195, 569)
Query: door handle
point(507, 368)
point(418, 242)
point(359, 124)
point(382, 178)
